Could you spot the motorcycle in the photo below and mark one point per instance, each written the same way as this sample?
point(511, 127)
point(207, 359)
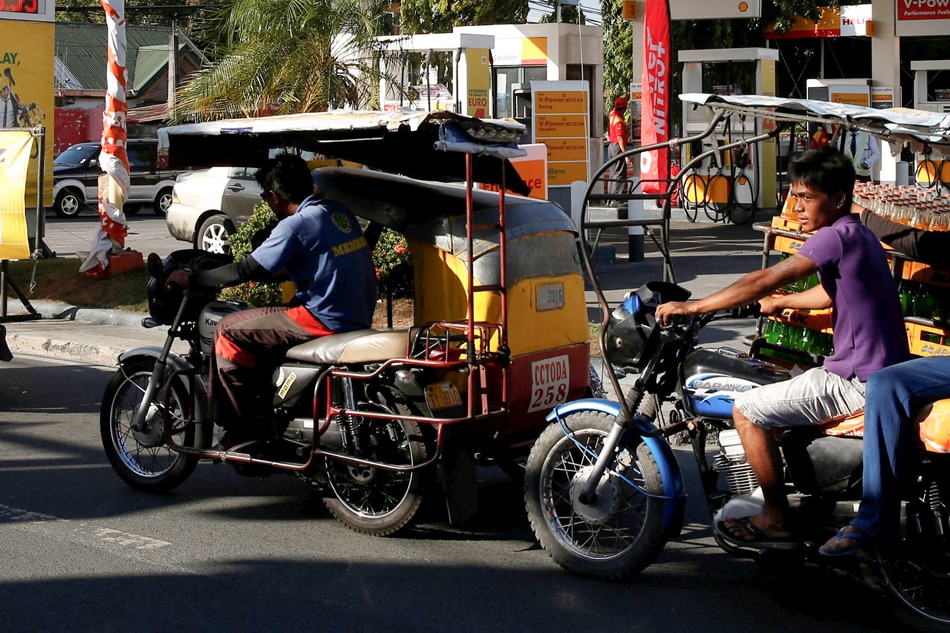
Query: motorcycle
point(604, 492)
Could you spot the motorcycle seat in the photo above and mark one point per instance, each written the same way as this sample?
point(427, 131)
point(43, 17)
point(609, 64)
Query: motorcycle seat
point(358, 346)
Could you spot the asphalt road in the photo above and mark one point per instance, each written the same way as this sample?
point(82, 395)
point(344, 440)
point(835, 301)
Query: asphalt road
point(147, 233)
point(80, 551)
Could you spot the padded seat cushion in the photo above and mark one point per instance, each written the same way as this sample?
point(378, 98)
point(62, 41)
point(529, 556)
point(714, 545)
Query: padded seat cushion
point(358, 346)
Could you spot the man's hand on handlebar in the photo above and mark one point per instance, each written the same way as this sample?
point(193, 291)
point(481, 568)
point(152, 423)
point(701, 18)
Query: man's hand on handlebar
point(674, 308)
point(177, 278)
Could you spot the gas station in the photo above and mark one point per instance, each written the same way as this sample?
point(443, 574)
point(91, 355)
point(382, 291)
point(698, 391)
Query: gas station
point(547, 76)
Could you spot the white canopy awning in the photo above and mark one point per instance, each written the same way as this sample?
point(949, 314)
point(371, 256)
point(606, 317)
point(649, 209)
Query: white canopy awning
point(894, 124)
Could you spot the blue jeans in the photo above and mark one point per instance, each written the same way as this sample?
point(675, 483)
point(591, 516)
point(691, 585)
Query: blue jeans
point(894, 394)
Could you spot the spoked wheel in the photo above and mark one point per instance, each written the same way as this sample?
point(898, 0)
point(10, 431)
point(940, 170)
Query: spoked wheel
point(917, 569)
point(618, 532)
point(372, 500)
point(140, 456)
point(742, 206)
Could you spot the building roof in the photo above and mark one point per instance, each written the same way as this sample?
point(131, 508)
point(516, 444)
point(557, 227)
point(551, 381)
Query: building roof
point(81, 47)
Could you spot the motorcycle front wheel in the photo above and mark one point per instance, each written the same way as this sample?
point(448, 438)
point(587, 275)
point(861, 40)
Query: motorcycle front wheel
point(372, 500)
point(141, 457)
point(616, 534)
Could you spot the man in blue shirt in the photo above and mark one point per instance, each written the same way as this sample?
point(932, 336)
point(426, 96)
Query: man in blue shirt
point(319, 246)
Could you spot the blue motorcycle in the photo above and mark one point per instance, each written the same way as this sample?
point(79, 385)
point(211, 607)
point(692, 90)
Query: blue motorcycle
point(604, 492)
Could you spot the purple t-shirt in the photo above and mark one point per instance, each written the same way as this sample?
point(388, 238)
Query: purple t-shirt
point(868, 325)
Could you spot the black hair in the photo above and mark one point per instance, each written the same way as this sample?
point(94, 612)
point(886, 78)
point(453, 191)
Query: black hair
point(288, 176)
point(824, 169)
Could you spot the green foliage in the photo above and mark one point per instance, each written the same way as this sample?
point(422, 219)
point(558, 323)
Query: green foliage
point(254, 293)
point(393, 264)
point(287, 56)
point(570, 14)
point(618, 52)
point(439, 16)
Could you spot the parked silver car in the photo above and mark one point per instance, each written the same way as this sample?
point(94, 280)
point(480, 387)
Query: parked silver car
point(209, 204)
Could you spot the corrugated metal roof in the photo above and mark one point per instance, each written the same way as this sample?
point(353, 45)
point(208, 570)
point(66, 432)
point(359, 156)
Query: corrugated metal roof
point(82, 48)
point(65, 80)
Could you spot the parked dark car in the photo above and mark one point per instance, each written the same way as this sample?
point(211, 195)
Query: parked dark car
point(76, 179)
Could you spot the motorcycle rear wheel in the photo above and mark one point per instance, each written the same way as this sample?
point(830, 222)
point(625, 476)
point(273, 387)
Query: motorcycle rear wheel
point(142, 459)
point(372, 500)
point(621, 532)
point(917, 569)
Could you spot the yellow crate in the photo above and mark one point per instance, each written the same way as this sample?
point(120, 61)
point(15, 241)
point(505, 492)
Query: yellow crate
point(787, 244)
point(925, 274)
point(925, 340)
point(785, 224)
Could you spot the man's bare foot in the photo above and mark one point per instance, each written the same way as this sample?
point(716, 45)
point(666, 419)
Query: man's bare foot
point(755, 528)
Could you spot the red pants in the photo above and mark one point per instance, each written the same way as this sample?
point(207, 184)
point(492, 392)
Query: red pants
point(248, 347)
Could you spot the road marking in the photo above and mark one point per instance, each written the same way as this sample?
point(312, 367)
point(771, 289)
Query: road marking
point(90, 533)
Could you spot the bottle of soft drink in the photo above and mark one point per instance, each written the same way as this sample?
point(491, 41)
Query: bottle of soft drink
point(923, 302)
point(906, 293)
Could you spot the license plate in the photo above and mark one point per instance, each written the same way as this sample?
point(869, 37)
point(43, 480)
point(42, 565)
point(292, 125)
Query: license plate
point(442, 395)
point(549, 297)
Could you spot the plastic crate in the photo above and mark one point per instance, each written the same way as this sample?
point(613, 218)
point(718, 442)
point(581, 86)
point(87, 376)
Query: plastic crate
point(925, 274)
point(925, 340)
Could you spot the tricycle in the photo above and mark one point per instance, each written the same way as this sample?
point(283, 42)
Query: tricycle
point(369, 417)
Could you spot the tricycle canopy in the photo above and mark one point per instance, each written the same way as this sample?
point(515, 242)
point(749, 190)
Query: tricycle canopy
point(893, 124)
point(427, 146)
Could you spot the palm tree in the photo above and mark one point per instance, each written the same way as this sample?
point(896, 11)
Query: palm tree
point(287, 56)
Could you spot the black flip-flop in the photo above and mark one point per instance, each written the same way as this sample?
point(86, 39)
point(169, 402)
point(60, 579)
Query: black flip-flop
point(860, 541)
point(759, 540)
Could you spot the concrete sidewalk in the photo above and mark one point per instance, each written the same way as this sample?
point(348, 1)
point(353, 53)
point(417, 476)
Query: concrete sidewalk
point(706, 257)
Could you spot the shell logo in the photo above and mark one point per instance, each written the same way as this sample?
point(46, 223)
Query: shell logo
point(743, 7)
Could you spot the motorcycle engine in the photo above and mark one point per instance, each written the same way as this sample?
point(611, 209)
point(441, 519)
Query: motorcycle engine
point(732, 463)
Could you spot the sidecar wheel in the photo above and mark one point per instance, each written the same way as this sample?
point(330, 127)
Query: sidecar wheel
point(142, 459)
point(371, 500)
point(618, 534)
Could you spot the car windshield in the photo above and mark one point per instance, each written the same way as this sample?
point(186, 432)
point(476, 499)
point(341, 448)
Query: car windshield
point(77, 155)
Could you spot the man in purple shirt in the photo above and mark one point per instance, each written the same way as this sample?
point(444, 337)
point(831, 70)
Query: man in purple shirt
point(868, 328)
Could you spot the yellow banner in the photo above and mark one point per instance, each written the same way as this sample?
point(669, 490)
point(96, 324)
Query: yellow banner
point(26, 70)
point(15, 148)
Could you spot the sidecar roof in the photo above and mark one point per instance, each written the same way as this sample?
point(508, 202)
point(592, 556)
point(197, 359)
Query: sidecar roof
point(436, 212)
point(429, 146)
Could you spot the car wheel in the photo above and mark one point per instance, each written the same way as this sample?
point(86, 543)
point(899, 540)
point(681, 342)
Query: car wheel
point(163, 200)
point(213, 235)
point(68, 203)
point(131, 208)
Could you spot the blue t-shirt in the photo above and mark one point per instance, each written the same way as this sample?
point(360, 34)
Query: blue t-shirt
point(322, 249)
point(868, 324)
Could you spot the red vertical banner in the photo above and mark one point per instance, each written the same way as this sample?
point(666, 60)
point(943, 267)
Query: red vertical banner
point(655, 115)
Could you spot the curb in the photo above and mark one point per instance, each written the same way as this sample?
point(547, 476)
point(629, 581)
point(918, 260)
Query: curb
point(66, 312)
point(85, 335)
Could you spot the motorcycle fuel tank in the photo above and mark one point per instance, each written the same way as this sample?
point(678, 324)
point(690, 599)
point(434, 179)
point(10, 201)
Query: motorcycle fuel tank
point(712, 380)
point(208, 319)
